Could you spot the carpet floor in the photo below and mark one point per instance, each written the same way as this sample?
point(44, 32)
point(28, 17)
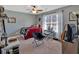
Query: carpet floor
point(48, 47)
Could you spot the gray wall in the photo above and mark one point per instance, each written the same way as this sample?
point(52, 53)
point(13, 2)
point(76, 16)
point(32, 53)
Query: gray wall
point(22, 20)
point(66, 14)
point(65, 11)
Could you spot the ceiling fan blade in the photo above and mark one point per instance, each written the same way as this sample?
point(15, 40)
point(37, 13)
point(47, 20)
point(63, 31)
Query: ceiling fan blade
point(37, 12)
point(34, 9)
point(33, 6)
point(40, 10)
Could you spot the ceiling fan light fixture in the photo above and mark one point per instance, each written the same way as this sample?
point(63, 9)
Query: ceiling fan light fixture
point(34, 11)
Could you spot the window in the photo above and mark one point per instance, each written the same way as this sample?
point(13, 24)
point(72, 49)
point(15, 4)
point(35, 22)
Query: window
point(50, 21)
point(54, 22)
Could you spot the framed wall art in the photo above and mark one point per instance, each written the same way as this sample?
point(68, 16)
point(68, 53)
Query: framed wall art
point(72, 16)
point(12, 20)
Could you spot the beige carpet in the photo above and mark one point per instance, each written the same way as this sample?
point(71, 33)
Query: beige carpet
point(48, 47)
point(70, 48)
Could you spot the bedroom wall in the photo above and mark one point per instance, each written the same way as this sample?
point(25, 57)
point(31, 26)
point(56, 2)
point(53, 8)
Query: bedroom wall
point(65, 10)
point(66, 14)
point(22, 20)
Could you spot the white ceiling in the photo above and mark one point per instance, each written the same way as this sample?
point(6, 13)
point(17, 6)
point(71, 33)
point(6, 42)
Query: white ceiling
point(27, 8)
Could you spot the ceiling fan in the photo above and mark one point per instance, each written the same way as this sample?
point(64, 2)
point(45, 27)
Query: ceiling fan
point(35, 9)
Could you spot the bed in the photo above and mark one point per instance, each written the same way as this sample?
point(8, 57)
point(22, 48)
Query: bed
point(31, 30)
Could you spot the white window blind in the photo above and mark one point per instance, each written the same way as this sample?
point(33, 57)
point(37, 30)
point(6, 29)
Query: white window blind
point(53, 21)
point(50, 21)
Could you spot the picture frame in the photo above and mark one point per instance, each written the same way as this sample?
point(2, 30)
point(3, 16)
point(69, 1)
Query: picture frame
point(72, 16)
point(12, 20)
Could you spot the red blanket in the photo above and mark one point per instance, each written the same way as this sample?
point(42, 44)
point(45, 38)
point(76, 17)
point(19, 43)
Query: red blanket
point(31, 30)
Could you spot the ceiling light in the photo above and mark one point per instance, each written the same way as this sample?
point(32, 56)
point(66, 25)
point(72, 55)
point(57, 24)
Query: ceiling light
point(34, 11)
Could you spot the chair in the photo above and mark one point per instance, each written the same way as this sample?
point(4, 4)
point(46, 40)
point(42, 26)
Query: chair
point(49, 34)
point(37, 37)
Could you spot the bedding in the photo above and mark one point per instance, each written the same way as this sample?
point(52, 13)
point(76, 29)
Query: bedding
point(31, 30)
